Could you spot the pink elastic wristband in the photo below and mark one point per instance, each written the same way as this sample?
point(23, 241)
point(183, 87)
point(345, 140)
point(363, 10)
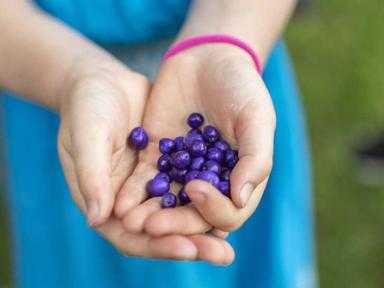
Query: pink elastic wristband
point(214, 38)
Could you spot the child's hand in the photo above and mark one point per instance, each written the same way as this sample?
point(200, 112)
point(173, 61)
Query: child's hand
point(97, 114)
point(226, 88)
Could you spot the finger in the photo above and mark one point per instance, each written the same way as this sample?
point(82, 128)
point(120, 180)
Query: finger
point(134, 191)
point(135, 218)
point(141, 245)
point(213, 250)
point(217, 209)
point(92, 156)
point(184, 220)
point(255, 133)
point(219, 233)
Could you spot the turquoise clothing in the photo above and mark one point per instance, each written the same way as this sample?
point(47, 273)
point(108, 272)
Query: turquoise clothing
point(53, 246)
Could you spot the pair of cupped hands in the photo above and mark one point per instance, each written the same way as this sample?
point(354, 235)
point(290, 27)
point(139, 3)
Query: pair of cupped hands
point(107, 179)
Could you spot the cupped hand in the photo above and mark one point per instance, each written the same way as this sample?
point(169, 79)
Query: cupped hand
point(97, 114)
point(222, 83)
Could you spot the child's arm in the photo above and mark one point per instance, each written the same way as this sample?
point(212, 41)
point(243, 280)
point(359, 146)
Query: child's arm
point(40, 57)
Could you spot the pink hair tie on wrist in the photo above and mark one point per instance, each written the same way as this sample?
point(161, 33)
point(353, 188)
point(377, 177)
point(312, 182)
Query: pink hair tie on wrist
point(215, 38)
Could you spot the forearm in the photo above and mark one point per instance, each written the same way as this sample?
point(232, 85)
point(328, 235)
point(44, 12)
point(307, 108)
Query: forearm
point(258, 22)
point(39, 56)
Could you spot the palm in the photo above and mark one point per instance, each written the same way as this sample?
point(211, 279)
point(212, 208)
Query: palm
point(225, 93)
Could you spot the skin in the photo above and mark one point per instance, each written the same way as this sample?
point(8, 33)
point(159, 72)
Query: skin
point(100, 100)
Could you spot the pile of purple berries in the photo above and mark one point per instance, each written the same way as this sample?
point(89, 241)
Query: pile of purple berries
point(201, 154)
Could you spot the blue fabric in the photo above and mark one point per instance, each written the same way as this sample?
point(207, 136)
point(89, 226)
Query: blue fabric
point(53, 246)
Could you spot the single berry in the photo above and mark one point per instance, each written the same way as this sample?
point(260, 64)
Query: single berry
point(183, 196)
point(225, 174)
point(178, 175)
point(192, 137)
point(138, 139)
point(195, 120)
point(197, 148)
point(211, 134)
point(222, 145)
point(168, 200)
point(180, 145)
point(193, 174)
point(209, 176)
point(164, 175)
point(213, 166)
point(167, 146)
point(196, 131)
point(180, 159)
point(157, 186)
point(215, 154)
point(230, 158)
point(197, 163)
point(164, 163)
point(224, 187)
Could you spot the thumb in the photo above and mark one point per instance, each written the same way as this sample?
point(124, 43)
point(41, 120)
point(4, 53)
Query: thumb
point(93, 167)
point(255, 133)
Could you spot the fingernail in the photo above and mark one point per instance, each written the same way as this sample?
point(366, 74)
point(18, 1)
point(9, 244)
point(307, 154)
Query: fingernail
point(197, 197)
point(245, 193)
point(92, 212)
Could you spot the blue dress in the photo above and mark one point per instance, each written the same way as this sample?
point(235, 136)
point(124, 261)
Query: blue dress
point(53, 246)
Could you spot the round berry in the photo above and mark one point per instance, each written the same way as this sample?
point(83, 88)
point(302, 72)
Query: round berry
point(164, 175)
point(164, 163)
point(192, 137)
point(193, 174)
point(180, 159)
point(230, 158)
point(183, 196)
point(209, 176)
point(211, 134)
point(197, 163)
point(224, 187)
point(138, 138)
point(215, 154)
point(225, 174)
point(222, 145)
point(197, 148)
point(179, 141)
point(157, 186)
point(178, 175)
point(167, 146)
point(213, 166)
point(195, 120)
point(168, 200)
point(195, 132)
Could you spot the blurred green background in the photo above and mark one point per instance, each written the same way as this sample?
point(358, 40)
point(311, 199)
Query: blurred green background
point(338, 51)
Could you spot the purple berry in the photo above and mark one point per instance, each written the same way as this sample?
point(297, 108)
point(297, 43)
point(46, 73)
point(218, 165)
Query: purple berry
point(193, 174)
point(179, 141)
point(183, 196)
point(209, 176)
point(222, 145)
point(164, 163)
point(168, 200)
point(197, 163)
point(167, 146)
point(213, 166)
point(192, 137)
point(178, 175)
point(225, 174)
point(195, 132)
point(164, 175)
point(180, 159)
point(215, 154)
point(138, 138)
point(195, 120)
point(211, 134)
point(197, 148)
point(157, 186)
point(224, 187)
point(230, 158)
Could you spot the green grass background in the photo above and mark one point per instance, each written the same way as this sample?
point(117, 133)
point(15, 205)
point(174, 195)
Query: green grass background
point(338, 50)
